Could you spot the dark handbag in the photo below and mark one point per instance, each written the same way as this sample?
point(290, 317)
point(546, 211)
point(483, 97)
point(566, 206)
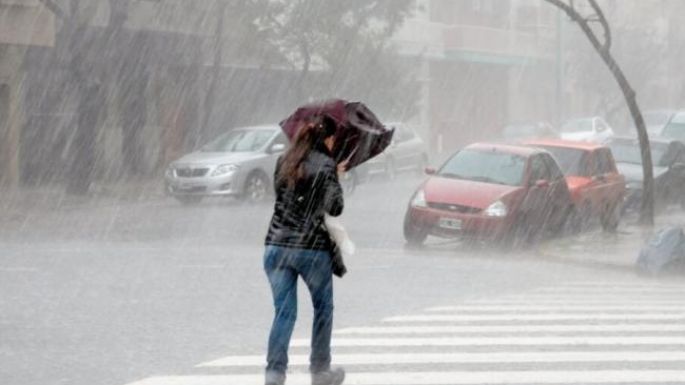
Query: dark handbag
point(339, 268)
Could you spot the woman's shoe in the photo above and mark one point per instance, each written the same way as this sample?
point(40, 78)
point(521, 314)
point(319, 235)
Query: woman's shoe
point(274, 378)
point(329, 377)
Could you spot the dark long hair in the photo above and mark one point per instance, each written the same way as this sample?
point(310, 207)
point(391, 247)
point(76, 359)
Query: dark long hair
point(310, 136)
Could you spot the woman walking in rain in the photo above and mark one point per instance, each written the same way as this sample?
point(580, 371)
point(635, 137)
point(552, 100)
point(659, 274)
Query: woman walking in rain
point(298, 245)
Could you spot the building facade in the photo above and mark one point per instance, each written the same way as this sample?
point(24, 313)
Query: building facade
point(23, 24)
point(485, 63)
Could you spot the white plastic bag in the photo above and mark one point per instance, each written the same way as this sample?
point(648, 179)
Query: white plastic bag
point(339, 235)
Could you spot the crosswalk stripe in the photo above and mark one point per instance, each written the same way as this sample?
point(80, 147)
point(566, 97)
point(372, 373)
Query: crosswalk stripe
point(590, 300)
point(500, 341)
point(445, 378)
point(462, 358)
point(578, 328)
point(601, 284)
point(558, 308)
point(535, 317)
point(631, 290)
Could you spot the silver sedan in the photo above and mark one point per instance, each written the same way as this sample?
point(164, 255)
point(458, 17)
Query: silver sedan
point(239, 163)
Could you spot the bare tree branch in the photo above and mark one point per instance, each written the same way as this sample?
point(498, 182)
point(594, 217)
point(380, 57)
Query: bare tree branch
point(603, 21)
point(54, 8)
point(603, 49)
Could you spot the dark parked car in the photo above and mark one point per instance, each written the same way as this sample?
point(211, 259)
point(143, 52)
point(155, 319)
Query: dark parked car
point(656, 120)
point(491, 191)
point(668, 156)
point(407, 152)
point(675, 128)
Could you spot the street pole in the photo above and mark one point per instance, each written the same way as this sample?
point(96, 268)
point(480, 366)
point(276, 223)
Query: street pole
point(560, 67)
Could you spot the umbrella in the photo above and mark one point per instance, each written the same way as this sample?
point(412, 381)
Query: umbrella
point(359, 134)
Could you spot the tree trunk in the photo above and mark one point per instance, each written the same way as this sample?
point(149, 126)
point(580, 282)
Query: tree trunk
point(647, 204)
point(647, 207)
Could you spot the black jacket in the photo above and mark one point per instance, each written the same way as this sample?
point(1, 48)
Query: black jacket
point(299, 210)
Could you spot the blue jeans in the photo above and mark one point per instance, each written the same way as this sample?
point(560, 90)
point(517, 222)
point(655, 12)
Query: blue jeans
point(283, 265)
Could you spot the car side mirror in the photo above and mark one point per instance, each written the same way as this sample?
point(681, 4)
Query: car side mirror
point(542, 183)
point(276, 148)
point(430, 171)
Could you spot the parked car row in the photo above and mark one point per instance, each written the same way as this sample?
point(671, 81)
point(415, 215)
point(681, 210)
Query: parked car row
point(668, 157)
point(241, 164)
point(535, 187)
point(492, 191)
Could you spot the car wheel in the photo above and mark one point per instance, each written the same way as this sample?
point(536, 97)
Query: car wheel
point(188, 200)
point(256, 187)
point(413, 234)
point(610, 217)
point(390, 169)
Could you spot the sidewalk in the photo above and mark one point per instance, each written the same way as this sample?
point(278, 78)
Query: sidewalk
point(619, 250)
point(53, 197)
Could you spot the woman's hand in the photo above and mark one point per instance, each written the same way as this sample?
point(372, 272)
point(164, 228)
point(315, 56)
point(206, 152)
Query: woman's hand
point(342, 167)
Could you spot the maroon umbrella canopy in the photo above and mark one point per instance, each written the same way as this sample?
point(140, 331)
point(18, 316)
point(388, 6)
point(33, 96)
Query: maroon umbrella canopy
point(359, 135)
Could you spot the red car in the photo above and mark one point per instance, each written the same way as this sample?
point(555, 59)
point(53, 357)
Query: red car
point(597, 188)
point(491, 191)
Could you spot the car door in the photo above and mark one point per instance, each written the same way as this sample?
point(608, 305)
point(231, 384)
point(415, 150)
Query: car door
point(592, 194)
point(613, 187)
point(536, 203)
point(674, 159)
point(558, 195)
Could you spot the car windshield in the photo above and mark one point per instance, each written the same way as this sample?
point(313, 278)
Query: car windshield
point(656, 118)
point(485, 166)
point(570, 160)
point(239, 141)
point(675, 130)
point(625, 152)
point(579, 125)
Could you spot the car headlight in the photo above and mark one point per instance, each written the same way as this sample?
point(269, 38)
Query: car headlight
point(225, 169)
point(169, 173)
point(497, 209)
point(419, 199)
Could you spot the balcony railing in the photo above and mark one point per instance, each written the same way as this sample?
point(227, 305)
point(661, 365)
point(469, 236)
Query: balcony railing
point(437, 39)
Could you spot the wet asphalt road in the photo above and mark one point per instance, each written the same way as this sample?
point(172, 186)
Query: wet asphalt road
point(114, 291)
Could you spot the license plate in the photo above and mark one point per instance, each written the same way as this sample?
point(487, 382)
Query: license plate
point(450, 223)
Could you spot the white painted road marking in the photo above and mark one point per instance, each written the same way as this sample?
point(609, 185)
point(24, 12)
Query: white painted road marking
point(538, 317)
point(592, 327)
point(500, 341)
point(464, 358)
point(557, 308)
point(523, 328)
point(446, 378)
